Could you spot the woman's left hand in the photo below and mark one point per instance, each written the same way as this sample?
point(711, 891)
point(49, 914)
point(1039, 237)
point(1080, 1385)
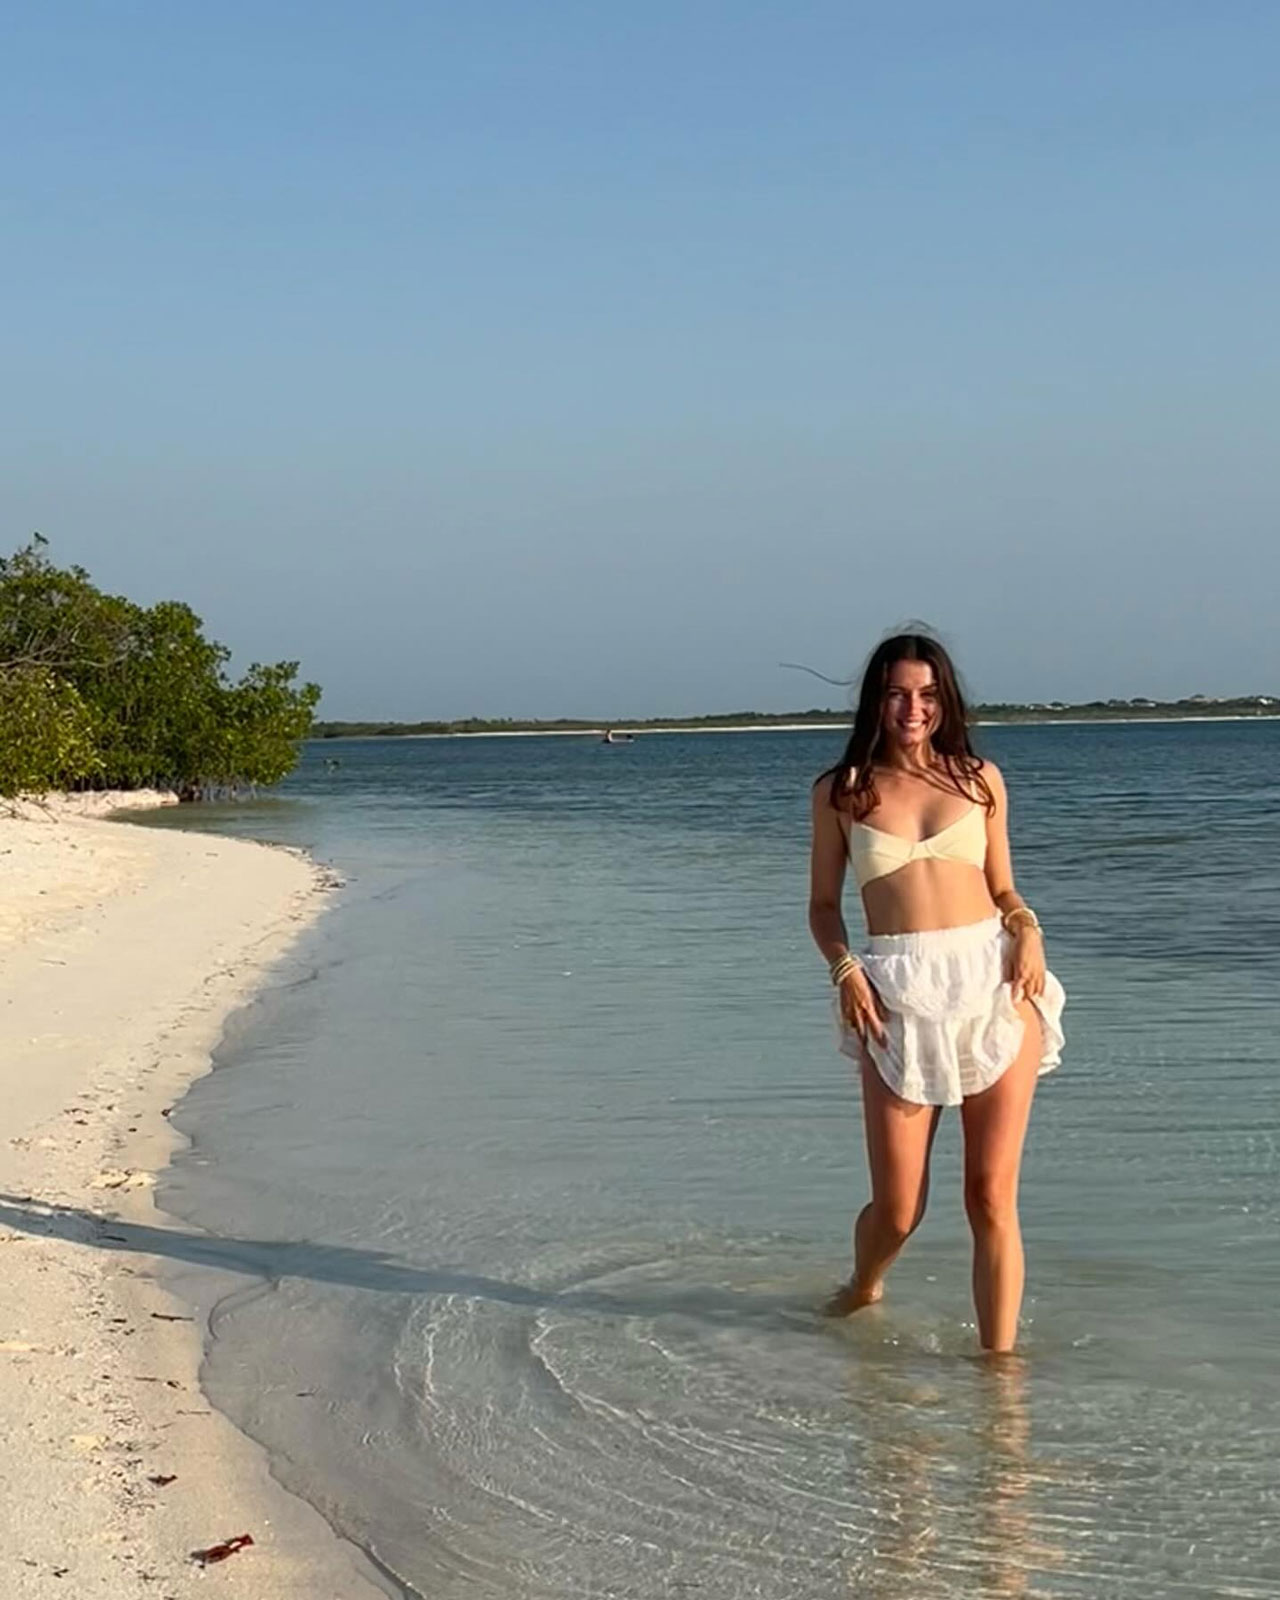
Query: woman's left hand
point(1026, 976)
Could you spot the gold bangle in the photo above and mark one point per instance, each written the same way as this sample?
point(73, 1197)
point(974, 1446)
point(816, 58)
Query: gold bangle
point(1021, 911)
point(842, 966)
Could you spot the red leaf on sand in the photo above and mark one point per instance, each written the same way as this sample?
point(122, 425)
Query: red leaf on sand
point(220, 1552)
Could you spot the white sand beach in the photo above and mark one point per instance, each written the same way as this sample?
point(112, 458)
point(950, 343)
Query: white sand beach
point(122, 951)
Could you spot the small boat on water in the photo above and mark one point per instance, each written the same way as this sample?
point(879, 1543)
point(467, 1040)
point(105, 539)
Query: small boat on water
point(610, 737)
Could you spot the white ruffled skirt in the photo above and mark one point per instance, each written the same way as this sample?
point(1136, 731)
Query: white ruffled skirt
point(952, 1026)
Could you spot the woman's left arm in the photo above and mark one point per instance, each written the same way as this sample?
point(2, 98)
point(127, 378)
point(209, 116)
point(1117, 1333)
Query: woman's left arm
point(1027, 966)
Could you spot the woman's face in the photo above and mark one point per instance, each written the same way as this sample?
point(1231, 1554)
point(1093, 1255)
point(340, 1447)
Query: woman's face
point(910, 712)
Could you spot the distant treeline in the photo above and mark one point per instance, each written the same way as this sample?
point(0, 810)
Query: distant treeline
point(1259, 705)
point(99, 693)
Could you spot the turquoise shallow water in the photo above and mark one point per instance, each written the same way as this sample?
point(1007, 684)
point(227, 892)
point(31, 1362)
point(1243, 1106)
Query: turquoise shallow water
point(539, 1158)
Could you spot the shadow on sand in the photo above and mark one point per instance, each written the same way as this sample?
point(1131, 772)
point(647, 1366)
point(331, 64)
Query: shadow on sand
point(382, 1273)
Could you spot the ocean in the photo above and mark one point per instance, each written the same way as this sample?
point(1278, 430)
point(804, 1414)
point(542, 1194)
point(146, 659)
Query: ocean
point(536, 1161)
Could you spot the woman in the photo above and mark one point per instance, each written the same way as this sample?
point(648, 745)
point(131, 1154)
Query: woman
point(950, 1002)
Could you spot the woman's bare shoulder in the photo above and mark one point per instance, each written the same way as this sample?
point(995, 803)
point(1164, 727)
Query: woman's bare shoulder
point(992, 773)
point(826, 794)
point(822, 784)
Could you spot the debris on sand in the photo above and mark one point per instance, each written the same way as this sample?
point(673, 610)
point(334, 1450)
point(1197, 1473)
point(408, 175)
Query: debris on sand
point(220, 1552)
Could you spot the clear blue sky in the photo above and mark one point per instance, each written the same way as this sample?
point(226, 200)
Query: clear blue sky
point(579, 358)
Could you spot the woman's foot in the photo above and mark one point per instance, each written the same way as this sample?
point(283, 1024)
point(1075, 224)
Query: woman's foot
point(851, 1297)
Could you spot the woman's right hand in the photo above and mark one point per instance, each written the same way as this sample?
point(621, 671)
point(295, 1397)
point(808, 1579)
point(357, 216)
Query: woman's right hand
point(861, 1008)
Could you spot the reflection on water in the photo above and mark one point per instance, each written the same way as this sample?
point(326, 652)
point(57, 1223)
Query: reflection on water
point(898, 1467)
point(1004, 1479)
point(948, 1477)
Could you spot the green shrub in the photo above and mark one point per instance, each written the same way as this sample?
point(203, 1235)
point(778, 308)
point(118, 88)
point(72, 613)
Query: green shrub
point(107, 694)
point(46, 734)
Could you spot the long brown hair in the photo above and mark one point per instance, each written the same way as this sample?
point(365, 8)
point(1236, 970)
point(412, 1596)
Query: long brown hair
point(950, 739)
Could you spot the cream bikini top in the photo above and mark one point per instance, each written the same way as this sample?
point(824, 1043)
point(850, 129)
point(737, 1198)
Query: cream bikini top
point(874, 853)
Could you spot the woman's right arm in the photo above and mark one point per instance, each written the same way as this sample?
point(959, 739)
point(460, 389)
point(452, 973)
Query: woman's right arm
point(859, 1003)
point(826, 876)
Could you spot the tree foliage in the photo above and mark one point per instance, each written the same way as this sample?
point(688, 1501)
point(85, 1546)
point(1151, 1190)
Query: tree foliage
point(46, 734)
point(98, 692)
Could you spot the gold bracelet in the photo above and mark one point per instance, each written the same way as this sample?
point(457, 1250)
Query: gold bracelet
point(842, 966)
point(1021, 911)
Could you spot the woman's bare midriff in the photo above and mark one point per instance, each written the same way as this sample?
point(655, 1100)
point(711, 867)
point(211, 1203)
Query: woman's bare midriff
point(924, 896)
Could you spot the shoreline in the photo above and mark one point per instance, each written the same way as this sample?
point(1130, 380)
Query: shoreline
point(123, 951)
point(641, 732)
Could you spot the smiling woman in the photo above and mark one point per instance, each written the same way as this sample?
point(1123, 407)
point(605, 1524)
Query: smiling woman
point(950, 1003)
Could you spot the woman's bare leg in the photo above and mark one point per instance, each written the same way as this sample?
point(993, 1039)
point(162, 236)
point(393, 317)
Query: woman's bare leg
point(995, 1126)
point(899, 1141)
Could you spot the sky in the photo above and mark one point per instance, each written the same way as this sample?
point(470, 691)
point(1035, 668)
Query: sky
point(578, 359)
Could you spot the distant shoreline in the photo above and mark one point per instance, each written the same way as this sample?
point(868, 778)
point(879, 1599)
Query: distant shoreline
point(639, 731)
